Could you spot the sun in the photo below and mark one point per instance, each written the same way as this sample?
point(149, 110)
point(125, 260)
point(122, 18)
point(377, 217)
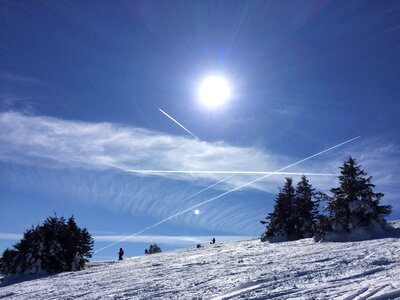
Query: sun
point(214, 91)
point(196, 212)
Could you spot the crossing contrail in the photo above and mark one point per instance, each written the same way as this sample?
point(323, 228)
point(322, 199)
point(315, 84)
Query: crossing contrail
point(183, 127)
point(199, 192)
point(158, 223)
point(226, 172)
point(226, 193)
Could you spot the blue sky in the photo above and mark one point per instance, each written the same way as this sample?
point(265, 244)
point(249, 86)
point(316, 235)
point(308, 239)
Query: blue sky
point(82, 82)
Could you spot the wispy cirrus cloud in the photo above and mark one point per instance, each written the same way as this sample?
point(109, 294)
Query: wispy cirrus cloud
point(18, 78)
point(162, 239)
point(78, 148)
point(20, 103)
point(14, 98)
point(7, 236)
point(55, 142)
point(167, 239)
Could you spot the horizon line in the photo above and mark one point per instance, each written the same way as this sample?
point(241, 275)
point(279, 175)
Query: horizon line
point(227, 172)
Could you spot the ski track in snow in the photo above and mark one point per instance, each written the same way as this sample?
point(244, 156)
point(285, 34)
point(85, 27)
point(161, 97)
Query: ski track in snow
point(237, 270)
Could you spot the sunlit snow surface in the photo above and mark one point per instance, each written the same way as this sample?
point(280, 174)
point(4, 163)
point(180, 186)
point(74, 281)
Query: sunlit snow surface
point(237, 270)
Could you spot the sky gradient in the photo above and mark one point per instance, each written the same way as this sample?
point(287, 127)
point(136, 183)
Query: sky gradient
point(82, 84)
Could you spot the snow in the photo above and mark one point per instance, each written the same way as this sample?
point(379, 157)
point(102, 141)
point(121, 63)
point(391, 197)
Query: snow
point(249, 269)
point(372, 231)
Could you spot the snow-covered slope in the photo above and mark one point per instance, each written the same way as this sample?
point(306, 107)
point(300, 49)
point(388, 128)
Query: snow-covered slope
point(238, 270)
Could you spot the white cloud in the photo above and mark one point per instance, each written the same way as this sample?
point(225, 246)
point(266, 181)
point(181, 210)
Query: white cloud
point(167, 239)
point(66, 145)
point(162, 239)
point(10, 236)
point(55, 142)
point(18, 78)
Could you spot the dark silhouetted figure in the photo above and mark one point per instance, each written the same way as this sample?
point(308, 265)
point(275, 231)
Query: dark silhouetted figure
point(120, 253)
point(212, 241)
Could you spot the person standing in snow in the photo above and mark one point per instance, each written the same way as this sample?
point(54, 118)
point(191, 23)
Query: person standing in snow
point(120, 253)
point(212, 241)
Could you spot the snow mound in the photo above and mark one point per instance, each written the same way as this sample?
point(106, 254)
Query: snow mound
point(375, 231)
point(237, 270)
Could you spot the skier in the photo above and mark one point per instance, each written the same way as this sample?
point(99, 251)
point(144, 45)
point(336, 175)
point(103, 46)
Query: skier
point(212, 241)
point(120, 253)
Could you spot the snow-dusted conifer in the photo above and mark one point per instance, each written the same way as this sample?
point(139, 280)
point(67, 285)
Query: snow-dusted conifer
point(78, 246)
point(305, 212)
point(55, 246)
point(8, 262)
point(280, 222)
point(154, 248)
point(354, 203)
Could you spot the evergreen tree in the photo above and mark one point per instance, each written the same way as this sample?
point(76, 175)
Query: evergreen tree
point(53, 235)
point(305, 209)
point(7, 262)
point(56, 246)
point(280, 222)
point(152, 249)
point(354, 203)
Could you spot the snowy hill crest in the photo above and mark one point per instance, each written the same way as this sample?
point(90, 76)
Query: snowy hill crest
point(238, 270)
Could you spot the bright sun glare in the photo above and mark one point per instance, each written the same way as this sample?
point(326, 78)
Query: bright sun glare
point(214, 91)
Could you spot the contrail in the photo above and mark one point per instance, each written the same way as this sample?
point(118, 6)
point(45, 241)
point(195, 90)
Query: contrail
point(199, 192)
point(226, 193)
point(187, 130)
point(228, 172)
point(147, 228)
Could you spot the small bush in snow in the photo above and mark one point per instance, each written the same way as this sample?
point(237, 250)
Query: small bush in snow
point(56, 246)
point(153, 249)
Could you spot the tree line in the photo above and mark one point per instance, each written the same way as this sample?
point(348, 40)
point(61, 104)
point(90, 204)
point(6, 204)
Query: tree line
point(353, 205)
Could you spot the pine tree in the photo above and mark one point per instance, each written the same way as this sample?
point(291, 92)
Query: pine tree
point(53, 230)
point(154, 248)
point(354, 203)
point(7, 262)
point(56, 246)
point(280, 222)
point(305, 209)
point(78, 245)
